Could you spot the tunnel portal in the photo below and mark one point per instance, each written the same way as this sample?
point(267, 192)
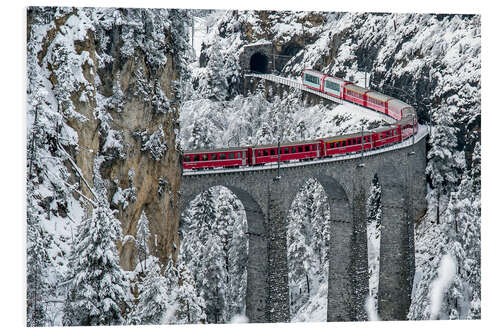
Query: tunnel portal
point(259, 63)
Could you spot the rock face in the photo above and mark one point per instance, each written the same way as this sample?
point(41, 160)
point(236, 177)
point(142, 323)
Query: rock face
point(112, 74)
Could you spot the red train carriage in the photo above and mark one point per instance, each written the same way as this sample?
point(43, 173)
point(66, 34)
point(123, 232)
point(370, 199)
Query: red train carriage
point(313, 79)
point(396, 108)
point(355, 94)
point(223, 157)
point(387, 135)
point(333, 86)
point(377, 101)
point(289, 151)
point(409, 126)
point(349, 143)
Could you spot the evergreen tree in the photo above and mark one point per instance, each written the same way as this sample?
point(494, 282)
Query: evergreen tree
point(443, 166)
point(38, 286)
point(216, 87)
point(153, 301)
point(200, 136)
point(214, 277)
point(99, 290)
point(142, 238)
point(189, 306)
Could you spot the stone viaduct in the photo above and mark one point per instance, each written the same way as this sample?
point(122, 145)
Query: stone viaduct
point(346, 181)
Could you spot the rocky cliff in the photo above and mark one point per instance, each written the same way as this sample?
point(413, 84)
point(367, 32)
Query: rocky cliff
point(103, 81)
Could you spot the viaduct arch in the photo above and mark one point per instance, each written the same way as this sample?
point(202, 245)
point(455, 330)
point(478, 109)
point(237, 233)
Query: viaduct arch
point(346, 181)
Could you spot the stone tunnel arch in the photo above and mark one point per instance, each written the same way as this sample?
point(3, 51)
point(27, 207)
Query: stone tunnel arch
point(305, 273)
point(259, 62)
point(347, 256)
point(257, 269)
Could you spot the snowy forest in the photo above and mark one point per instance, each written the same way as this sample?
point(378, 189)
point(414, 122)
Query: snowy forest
point(116, 95)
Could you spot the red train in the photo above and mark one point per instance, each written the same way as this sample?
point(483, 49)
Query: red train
point(405, 127)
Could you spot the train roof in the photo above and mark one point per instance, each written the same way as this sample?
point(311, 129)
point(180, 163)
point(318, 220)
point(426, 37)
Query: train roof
point(356, 88)
point(345, 136)
point(215, 150)
point(314, 71)
point(379, 96)
point(328, 76)
point(398, 104)
point(285, 144)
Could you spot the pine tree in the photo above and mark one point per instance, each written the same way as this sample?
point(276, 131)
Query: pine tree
point(200, 136)
point(99, 290)
point(189, 306)
point(153, 301)
point(38, 286)
point(217, 86)
point(443, 165)
point(214, 276)
point(142, 238)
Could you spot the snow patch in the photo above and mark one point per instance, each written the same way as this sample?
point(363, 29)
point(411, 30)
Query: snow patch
point(446, 273)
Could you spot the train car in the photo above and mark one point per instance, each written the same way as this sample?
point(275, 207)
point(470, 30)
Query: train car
point(377, 101)
point(349, 143)
point(386, 135)
point(396, 108)
point(355, 94)
point(409, 125)
point(288, 151)
point(333, 86)
point(312, 79)
point(208, 159)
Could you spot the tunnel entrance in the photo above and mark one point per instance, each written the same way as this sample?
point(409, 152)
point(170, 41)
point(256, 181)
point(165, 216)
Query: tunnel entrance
point(258, 63)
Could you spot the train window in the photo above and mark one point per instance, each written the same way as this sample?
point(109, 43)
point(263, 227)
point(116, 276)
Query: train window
point(313, 147)
point(266, 152)
point(186, 158)
point(204, 157)
point(312, 79)
point(307, 148)
point(301, 149)
point(332, 85)
point(273, 152)
point(222, 156)
point(196, 157)
point(294, 149)
point(231, 156)
point(286, 150)
point(213, 157)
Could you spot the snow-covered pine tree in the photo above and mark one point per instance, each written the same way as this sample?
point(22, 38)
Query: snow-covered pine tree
point(142, 239)
point(99, 291)
point(200, 136)
point(216, 87)
point(189, 305)
point(214, 278)
point(443, 165)
point(153, 301)
point(467, 215)
point(38, 286)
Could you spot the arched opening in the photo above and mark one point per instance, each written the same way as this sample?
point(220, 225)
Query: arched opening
point(308, 236)
point(373, 223)
point(259, 63)
point(221, 231)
